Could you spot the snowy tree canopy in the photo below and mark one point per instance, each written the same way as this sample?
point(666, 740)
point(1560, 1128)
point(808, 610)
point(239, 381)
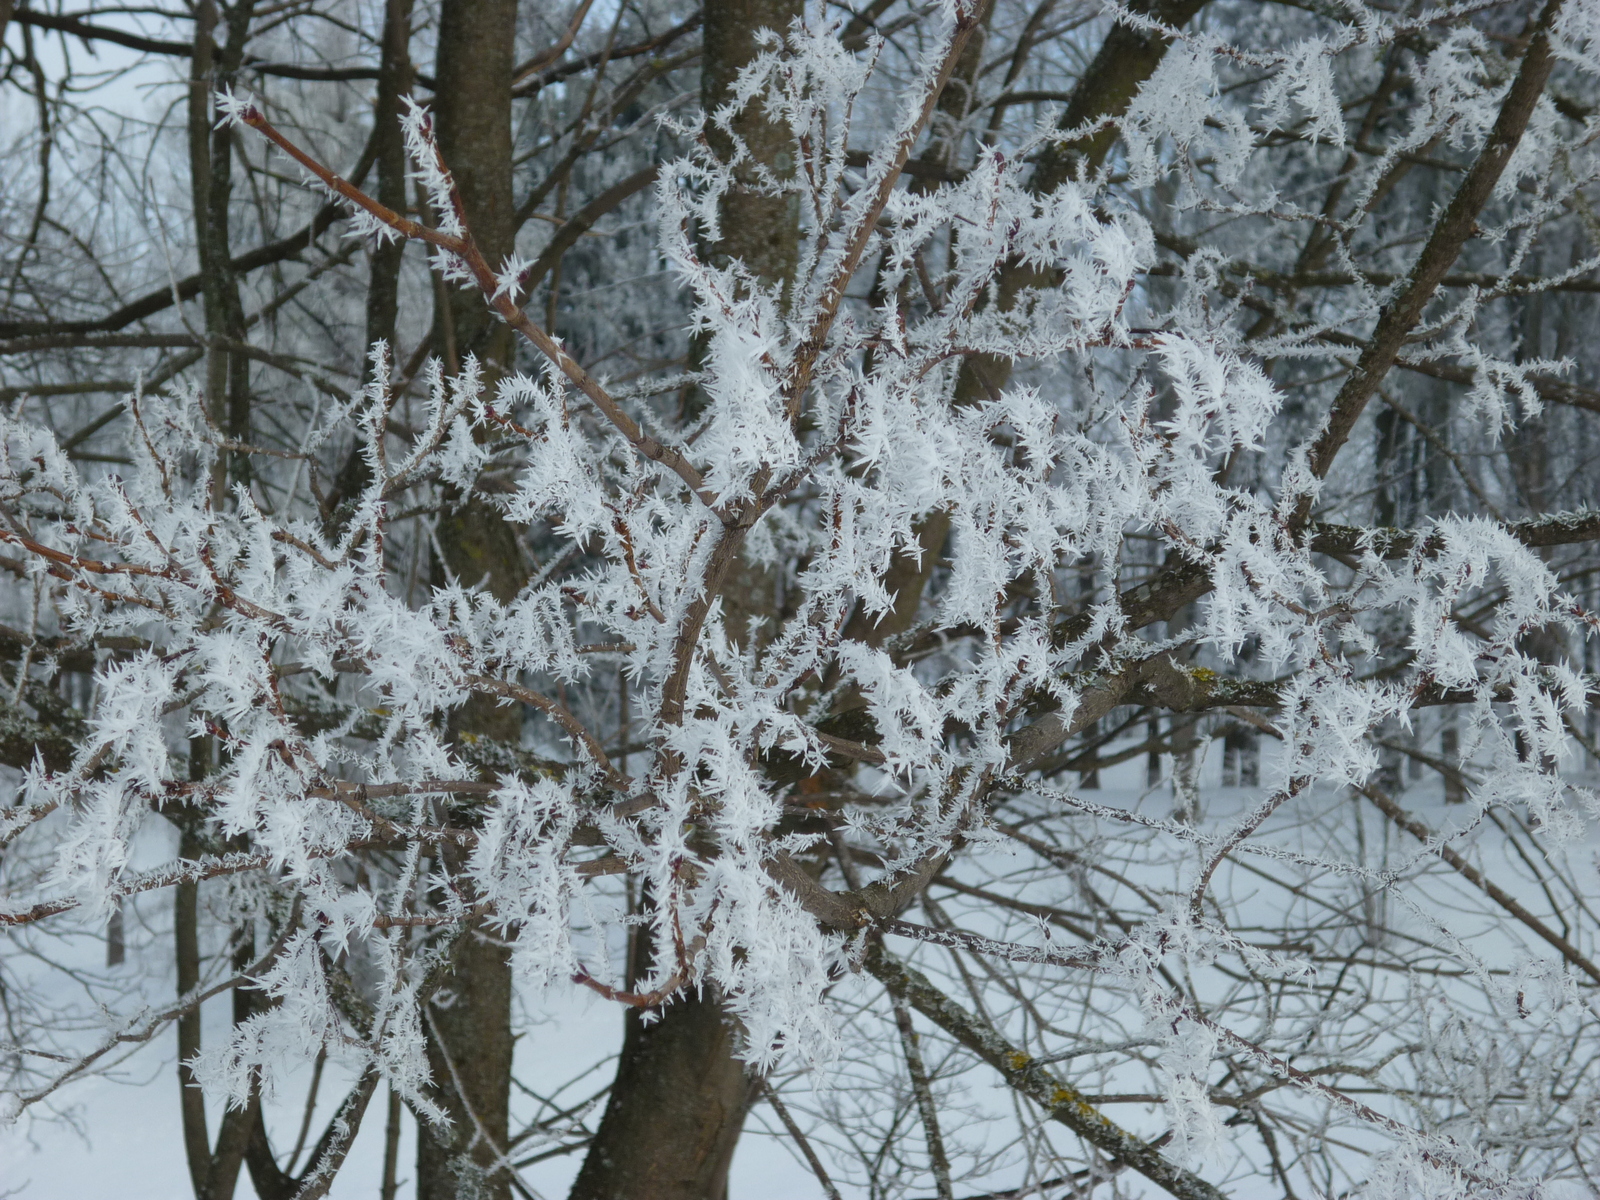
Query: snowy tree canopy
point(1131, 381)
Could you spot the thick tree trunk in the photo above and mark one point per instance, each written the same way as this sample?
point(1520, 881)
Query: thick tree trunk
point(680, 1095)
point(469, 1022)
point(472, 109)
point(676, 1109)
point(469, 1054)
point(761, 231)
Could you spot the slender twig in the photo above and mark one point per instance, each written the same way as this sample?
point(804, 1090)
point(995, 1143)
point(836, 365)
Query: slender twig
point(800, 1140)
point(927, 1109)
point(465, 248)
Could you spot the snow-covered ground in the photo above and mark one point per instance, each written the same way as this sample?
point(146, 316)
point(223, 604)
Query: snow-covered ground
point(121, 1138)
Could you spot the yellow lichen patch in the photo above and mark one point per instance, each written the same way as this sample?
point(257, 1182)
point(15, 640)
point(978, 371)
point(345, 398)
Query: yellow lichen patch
point(1062, 1096)
point(1202, 675)
point(1018, 1061)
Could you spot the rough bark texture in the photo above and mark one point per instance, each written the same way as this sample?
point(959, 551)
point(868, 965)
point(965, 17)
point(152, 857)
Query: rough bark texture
point(762, 231)
point(469, 1042)
point(211, 184)
point(677, 1106)
point(469, 1055)
point(472, 111)
point(680, 1095)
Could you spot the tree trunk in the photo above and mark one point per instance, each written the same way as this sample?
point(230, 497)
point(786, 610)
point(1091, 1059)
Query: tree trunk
point(472, 111)
point(394, 82)
point(395, 77)
point(469, 1047)
point(677, 1107)
point(680, 1095)
point(213, 1170)
point(469, 1022)
point(761, 231)
point(211, 186)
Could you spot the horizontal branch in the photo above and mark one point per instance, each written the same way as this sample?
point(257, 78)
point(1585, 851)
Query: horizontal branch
point(100, 33)
point(1160, 598)
point(1555, 529)
point(1547, 387)
point(87, 33)
point(186, 288)
point(1294, 281)
point(976, 943)
point(533, 86)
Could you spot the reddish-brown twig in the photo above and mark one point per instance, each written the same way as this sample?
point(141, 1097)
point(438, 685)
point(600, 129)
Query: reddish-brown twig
point(465, 248)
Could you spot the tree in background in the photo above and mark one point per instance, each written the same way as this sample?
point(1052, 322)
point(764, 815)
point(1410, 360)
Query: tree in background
point(762, 515)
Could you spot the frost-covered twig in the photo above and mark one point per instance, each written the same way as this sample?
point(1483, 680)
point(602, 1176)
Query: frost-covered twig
point(800, 1140)
point(462, 245)
point(1059, 1100)
point(144, 1027)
